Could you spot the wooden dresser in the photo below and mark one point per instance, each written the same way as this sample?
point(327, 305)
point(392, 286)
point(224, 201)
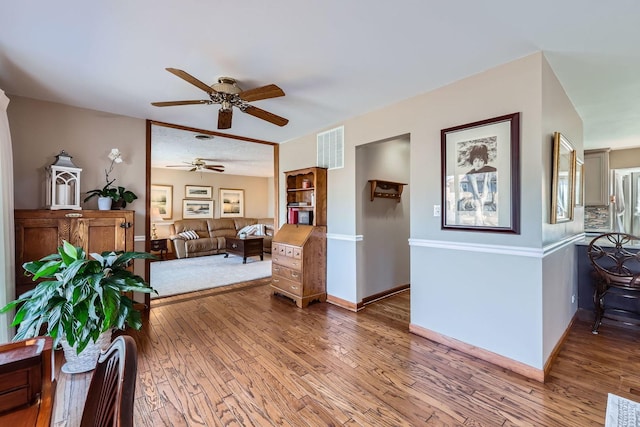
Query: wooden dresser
point(298, 259)
point(41, 232)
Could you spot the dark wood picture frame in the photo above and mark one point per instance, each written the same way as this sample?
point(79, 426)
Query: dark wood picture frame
point(477, 159)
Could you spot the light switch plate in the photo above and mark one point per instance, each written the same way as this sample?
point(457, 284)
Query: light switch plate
point(436, 210)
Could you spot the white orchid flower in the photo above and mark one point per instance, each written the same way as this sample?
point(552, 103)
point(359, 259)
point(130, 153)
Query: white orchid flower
point(115, 155)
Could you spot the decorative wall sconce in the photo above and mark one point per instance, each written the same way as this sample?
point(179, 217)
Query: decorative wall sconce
point(63, 184)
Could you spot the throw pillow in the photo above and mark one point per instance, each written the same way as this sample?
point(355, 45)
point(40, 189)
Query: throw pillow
point(248, 230)
point(260, 229)
point(188, 235)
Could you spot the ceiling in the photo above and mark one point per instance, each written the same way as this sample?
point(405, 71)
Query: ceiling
point(333, 59)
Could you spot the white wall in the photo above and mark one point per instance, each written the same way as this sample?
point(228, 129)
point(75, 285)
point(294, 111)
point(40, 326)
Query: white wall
point(485, 289)
point(383, 223)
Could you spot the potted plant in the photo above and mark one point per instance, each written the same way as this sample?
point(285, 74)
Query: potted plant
point(107, 195)
point(119, 197)
point(81, 299)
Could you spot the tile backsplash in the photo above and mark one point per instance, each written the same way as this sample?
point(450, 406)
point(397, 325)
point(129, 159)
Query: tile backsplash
point(597, 218)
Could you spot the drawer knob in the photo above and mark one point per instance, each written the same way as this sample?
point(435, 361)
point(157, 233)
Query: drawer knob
point(294, 275)
point(294, 287)
point(276, 280)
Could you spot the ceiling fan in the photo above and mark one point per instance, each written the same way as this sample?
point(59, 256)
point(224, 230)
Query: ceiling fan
point(199, 164)
point(228, 94)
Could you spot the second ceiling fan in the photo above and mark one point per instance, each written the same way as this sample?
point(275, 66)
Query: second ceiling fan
point(228, 94)
point(200, 164)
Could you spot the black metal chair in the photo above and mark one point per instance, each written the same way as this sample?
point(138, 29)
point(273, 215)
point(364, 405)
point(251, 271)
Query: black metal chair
point(111, 393)
point(615, 258)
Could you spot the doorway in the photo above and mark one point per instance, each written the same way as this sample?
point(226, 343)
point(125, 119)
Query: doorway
point(384, 223)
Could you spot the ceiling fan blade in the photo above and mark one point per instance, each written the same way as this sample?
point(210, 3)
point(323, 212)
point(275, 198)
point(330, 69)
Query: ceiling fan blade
point(189, 78)
point(213, 168)
point(224, 119)
point(171, 103)
point(265, 115)
point(263, 92)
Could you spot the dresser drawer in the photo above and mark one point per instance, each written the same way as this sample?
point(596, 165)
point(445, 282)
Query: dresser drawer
point(286, 273)
point(286, 261)
point(286, 285)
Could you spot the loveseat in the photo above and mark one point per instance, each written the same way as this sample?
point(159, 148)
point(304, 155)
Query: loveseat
point(200, 237)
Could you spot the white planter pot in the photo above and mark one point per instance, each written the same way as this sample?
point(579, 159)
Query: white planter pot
point(104, 203)
point(87, 359)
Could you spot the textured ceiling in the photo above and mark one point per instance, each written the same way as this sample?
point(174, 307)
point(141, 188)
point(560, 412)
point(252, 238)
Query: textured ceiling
point(334, 59)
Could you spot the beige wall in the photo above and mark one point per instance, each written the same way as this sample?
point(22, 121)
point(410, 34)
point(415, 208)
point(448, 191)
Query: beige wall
point(622, 159)
point(40, 130)
point(258, 192)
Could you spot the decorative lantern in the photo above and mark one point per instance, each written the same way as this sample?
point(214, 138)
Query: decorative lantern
point(63, 183)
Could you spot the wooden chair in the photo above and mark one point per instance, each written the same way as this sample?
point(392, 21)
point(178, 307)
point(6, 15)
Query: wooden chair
point(112, 389)
point(615, 258)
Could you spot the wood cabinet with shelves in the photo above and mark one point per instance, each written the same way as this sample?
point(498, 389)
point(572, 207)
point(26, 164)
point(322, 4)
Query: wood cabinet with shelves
point(298, 259)
point(596, 177)
point(41, 232)
point(386, 189)
point(299, 251)
point(307, 192)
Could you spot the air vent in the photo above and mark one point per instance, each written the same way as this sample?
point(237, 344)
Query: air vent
point(331, 148)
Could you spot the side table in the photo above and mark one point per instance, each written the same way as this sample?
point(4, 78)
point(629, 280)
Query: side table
point(159, 245)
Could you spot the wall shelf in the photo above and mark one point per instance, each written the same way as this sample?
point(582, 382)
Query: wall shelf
point(386, 189)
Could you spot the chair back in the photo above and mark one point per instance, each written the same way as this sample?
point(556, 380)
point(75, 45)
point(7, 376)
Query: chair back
point(112, 390)
point(614, 261)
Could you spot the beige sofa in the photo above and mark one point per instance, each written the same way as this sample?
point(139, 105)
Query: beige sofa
point(212, 233)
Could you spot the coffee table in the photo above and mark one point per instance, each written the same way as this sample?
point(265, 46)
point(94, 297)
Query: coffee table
point(244, 247)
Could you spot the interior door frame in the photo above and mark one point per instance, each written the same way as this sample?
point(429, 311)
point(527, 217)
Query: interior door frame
point(147, 225)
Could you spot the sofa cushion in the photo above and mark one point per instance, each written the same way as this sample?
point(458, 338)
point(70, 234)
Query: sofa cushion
point(189, 235)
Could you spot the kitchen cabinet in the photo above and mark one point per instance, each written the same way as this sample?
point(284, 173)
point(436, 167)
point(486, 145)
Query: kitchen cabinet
point(596, 177)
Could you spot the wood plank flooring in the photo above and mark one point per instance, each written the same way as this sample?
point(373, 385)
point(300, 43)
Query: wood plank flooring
point(237, 356)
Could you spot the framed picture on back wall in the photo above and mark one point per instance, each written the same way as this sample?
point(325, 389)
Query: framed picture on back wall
point(231, 203)
point(162, 198)
point(197, 191)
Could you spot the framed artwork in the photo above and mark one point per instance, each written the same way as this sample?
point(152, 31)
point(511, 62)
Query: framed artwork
point(231, 203)
point(563, 179)
point(162, 198)
point(198, 192)
point(481, 175)
point(579, 196)
point(197, 208)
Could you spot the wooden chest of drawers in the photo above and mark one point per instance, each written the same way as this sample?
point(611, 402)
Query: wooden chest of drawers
point(298, 259)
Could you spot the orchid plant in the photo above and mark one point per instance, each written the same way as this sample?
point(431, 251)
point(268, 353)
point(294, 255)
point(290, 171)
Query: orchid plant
point(117, 194)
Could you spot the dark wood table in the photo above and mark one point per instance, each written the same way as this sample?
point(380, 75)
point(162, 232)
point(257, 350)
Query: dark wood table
point(244, 247)
point(159, 245)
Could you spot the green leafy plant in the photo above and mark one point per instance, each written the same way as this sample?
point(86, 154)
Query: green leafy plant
point(83, 298)
point(117, 194)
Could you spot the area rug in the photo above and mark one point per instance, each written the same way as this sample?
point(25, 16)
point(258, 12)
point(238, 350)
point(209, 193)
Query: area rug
point(179, 276)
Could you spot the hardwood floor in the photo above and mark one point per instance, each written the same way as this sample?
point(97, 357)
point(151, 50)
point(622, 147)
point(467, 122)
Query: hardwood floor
point(239, 357)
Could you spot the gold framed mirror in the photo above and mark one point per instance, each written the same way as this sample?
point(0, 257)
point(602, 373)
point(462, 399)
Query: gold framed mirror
point(563, 179)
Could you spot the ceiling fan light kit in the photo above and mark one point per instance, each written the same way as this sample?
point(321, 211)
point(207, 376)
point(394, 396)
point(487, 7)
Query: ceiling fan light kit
point(228, 94)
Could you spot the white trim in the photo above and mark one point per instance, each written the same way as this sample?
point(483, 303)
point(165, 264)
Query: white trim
point(498, 249)
point(550, 248)
point(348, 237)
